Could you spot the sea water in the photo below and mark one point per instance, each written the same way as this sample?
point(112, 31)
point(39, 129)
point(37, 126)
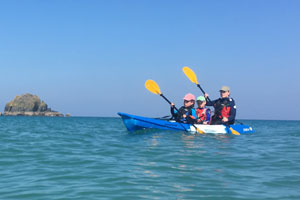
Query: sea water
point(96, 158)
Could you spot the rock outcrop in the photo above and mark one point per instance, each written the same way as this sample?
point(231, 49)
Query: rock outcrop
point(29, 105)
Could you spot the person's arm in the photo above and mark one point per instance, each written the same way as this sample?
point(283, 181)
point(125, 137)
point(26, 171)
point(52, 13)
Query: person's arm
point(208, 116)
point(210, 103)
point(192, 118)
point(173, 111)
point(194, 113)
point(232, 111)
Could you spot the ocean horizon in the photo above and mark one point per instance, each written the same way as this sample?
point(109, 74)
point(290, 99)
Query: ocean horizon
point(238, 120)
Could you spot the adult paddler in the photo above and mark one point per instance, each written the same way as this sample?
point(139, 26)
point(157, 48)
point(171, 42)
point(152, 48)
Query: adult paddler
point(225, 108)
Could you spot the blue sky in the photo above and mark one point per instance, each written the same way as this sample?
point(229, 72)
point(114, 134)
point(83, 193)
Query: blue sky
point(92, 58)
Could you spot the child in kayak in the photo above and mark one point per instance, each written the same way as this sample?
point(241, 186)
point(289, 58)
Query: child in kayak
point(203, 113)
point(187, 113)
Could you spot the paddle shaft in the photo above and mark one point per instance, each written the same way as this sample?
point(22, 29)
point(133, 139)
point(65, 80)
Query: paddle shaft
point(168, 101)
point(203, 92)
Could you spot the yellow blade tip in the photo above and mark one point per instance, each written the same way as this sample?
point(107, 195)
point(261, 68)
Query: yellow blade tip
point(234, 131)
point(200, 131)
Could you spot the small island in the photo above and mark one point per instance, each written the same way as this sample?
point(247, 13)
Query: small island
point(29, 105)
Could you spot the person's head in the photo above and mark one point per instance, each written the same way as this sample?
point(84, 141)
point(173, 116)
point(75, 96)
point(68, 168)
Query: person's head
point(224, 91)
point(189, 100)
point(201, 101)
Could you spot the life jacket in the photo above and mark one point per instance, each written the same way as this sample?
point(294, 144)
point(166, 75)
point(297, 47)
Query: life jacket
point(201, 114)
point(188, 112)
point(222, 108)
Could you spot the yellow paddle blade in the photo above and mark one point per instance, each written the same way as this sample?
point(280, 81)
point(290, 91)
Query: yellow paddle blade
point(234, 131)
point(190, 74)
point(152, 87)
point(199, 131)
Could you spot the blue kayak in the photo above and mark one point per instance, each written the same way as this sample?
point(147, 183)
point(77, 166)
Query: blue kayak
point(135, 123)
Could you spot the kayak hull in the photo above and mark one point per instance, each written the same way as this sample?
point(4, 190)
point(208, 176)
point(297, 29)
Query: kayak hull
point(134, 123)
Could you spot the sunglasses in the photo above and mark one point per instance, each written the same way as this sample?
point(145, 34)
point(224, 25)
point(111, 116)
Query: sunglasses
point(187, 101)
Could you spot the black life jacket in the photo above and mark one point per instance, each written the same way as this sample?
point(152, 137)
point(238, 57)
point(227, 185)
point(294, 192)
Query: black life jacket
point(185, 111)
point(222, 108)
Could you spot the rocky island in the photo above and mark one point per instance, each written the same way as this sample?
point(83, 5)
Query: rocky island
point(29, 105)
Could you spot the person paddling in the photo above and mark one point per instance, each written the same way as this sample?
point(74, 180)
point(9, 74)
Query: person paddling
point(187, 113)
point(203, 113)
point(225, 108)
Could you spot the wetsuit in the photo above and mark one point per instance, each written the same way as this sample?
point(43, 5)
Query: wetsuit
point(224, 107)
point(190, 112)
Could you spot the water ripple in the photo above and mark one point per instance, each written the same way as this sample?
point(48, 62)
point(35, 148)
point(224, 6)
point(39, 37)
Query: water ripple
point(96, 158)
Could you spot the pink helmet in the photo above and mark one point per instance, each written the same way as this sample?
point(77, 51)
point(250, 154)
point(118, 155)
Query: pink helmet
point(189, 97)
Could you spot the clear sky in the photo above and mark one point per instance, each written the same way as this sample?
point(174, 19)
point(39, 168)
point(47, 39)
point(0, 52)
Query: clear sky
point(92, 57)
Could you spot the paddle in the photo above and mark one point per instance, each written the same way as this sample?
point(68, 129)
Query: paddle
point(154, 88)
point(192, 76)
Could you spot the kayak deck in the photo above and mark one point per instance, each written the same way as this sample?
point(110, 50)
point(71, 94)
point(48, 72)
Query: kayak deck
point(135, 123)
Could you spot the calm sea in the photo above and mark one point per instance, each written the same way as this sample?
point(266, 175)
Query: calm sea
point(96, 158)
